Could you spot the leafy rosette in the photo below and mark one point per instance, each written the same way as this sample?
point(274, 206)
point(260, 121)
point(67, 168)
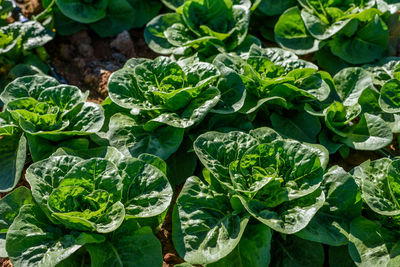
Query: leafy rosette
point(374, 238)
point(203, 26)
point(259, 175)
point(51, 114)
point(381, 98)
point(277, 77)
point(105, 17)
point(343, 32)
point(96, 194)
point(21, 51)
point(164, 97)
point(358, 119)
point(95, 198)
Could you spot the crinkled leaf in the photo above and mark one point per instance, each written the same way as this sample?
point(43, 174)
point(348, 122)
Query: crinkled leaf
point(205, 227)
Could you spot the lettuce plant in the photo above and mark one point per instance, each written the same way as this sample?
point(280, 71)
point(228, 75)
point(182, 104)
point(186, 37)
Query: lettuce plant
point(21, 51)
point(374, 237)
point(359, 119)
point(257, 175)
point(201, 26)
point(165, 97)
point(343, 32)
point(105, 17)
point(41, 114)
point(382, 100)
point(95, 200)
point(280, 85)
point(277, 77)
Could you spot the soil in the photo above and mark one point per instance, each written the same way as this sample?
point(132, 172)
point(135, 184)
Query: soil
point(87, 61)
point(5, 262)
point(29, 7)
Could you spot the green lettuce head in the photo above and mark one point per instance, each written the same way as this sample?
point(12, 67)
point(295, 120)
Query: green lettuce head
point(260, 175)
point(374, 237)
point(202, 26)
point(50, 114)
point(96, 194)
point(164, 97)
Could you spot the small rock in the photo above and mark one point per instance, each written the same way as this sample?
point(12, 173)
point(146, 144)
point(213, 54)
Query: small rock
point(123, 43)
point(66, 51)
point(170, 257)
point(81, 37)
point(86, 50)
point(120, 58)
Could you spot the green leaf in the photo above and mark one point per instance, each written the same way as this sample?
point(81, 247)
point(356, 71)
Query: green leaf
point(83, 12)
point(146, 191)
point(373, 245)
point(127, 246)
point(33, 240)
point(331, 224)
point(12, 159)
point(291, 33)
point(28, 86)
point(370, 133)
point(350, 84)
point(11, 204)
point(93, 184)
point(289, 217)
point(217, 150)
point(131, 139)
point(389, 99)
point(273, 7)
point(182, 157)
point(253, 249)
point(380, 186)
point(339, 256)
point(154, 33)
point(369, 44)
point(302, 126)
point(293, 251)
point(318, 28)
point(205, 227)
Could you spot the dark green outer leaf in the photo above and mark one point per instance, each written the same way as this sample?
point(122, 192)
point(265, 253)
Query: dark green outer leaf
point(253, 249)
point(379, 186)
point(296, 252)
point(12, 160)
point(132, 139)
point(339, 256)
point(350, 83)
point(128, 247)
point(11, 204)
point(146, 191)
point(84, 12)
point(32, 240)
point(389, 99)
point(291, 33)
point(302, 126)
point(154, 33)
point(205, 227)
point(28, 86)
point(331, 224)
point(373, 245)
